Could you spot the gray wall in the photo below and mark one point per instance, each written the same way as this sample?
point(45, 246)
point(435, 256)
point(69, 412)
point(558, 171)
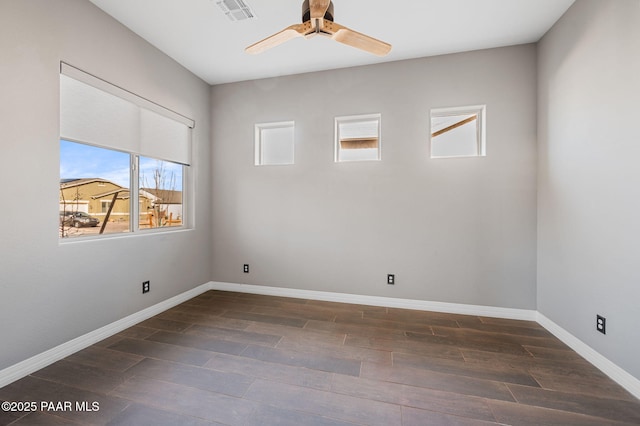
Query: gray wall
point(50, 292)
point(453, 230)
point(589, 176)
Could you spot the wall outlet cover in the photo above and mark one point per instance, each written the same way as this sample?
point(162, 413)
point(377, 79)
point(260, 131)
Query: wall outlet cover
point(601, 324)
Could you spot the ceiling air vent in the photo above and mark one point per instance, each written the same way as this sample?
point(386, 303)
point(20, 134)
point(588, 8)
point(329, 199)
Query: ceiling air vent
point(236, 10)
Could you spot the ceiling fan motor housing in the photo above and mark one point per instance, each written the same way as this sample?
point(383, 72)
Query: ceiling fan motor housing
point(306, 12)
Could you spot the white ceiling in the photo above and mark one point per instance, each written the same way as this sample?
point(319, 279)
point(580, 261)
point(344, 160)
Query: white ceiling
point(197, 34)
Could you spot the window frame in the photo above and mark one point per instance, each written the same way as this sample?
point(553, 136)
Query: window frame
point(355, 119)
point(184, 194)
point(259, 143)
point(177, 127)
point(481, 140)
point(134, 201)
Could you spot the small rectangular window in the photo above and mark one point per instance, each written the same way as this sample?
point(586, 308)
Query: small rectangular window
point(357, 138)
point(458, 132)
point(274, 143)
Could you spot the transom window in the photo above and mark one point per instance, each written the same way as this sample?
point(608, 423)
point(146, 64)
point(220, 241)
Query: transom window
point(274, 143)
point(357, 138)
point(458, 132)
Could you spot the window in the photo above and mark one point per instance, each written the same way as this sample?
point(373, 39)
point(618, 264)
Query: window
point(93, 179)
point(160, 193)
point(357, 138)
point(123, 159)
point(274, 143)
point(458, 132)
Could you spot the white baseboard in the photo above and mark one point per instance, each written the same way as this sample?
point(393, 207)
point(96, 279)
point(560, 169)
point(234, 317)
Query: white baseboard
point(620, 376)
point(388, 302)
point(35, 363)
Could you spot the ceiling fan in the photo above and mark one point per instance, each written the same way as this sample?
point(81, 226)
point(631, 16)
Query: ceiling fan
point(317, 19)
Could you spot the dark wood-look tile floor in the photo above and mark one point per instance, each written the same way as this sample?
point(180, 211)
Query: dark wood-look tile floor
point(241, 359)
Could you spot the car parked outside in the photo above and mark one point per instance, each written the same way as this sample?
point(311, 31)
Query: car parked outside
point(77, 219)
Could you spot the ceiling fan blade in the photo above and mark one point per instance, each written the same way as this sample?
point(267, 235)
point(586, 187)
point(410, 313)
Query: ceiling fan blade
point(355, 39)
point(318, 8)
point(291, 32)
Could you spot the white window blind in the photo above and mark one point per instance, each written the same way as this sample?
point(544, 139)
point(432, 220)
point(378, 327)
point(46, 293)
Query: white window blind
point(97, 112)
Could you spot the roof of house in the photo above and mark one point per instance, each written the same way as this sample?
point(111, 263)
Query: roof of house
point(166, 196)
point(123, 194)
point(71, 182)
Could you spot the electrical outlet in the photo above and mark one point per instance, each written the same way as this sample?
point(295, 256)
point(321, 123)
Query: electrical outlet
point(246, 268)
point(391, 279)
point(601, 324)
point(146, 287)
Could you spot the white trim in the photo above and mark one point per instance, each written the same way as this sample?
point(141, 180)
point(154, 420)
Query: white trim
point(617, 374)
point(389, 302)
point(35, 363)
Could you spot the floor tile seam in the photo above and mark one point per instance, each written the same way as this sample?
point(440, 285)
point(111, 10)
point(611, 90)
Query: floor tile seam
point(197, 367)
point(403, 351)
point(482, 333)
point(579, 391)
point(268, 316)
point(129, 403)
point(198, 336)
point(635, 402)
point(472, 361)
point(463, 348)
point(284, 382)
point(13, 422)
point(310, 368)
point(237, 340)
point(347, 347)
point(71, 386)
point(114, 394)
point(213, 354)
point(472, 376)
point(396, 326)
point(310, 413)
point(91, 366)
point(410, 387)
point(581, 414)
point(329, 393)
point(457, 416)
point(299, 352)
point(171, 382)
point(73, 422)
point(487, 402)
point(391, 380)
point(163, 408)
